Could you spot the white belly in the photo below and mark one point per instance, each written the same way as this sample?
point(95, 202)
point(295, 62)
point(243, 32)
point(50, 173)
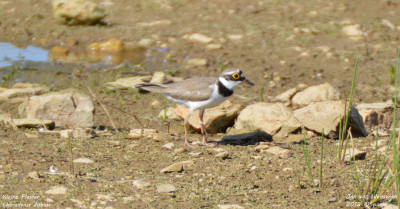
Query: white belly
point(213, 101)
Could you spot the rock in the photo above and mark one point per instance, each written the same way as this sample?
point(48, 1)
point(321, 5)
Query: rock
point(127, 83)
point(230, 206)
point(176, 167)
point(356, 155)
point(319, 93)
point(33, 175)
point(274, 118)
point(56, 190)
point(111, 46)
point(327, 115)
point(197, 62)
point(169, 145)
point(159, 77)
point(78, 133)
point(262, 147)
point(213, 46)
point(195, 153)
point(222, 155)
point(354, 32)
point(71, 108)
point(279, 152)
point(376, 114)
point(140, 184)
point(235, 37)
point(215, 119)
point(83, 160)
point(246, 138)
point(200, 38)
point(19, 92)
point(32, 123)
point(77, 12)
point(155, 104)
point(286, 96)
point(165, 188)
point(168, 114)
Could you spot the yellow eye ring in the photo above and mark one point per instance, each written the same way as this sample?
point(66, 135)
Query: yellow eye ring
point(236, 76)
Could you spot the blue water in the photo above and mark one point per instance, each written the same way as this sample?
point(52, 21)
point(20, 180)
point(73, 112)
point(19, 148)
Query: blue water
point(10, 54)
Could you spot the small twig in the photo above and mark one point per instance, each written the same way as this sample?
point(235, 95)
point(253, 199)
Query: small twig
point(133, 115)
point(71, 162)
point(102, 105)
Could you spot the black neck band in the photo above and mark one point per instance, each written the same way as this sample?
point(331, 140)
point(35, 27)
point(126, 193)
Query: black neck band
point(223, 90)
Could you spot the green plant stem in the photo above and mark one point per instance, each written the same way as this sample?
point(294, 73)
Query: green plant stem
point(322, 158)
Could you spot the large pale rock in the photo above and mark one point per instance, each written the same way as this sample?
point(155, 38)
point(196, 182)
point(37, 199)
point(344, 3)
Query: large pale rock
point(126, 83)
point(376, 114)
point(70, 108)
point(215, 119)
point(32, 123)
point(77, 12)
point(274, 118)
point(319, 93)
point(20, 91)
point(327, 115)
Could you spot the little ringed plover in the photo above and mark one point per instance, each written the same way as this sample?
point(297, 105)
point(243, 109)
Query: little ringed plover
point(199, 93)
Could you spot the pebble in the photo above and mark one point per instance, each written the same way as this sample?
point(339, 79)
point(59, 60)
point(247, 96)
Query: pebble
point(223, 155)
point(165, 188)
point(287, 169)
point(200, 38)
point(140, 184)
point(213, 46)
point(169, 145)
point(279, 151)
point(176, 167)
point(33, 175)
point(235, 37)
point(83, 160)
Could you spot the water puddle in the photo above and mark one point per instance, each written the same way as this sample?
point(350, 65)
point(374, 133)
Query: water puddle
point(12, 55)
point(31, 63)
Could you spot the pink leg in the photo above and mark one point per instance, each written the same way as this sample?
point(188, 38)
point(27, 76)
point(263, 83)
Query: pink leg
point(185, 126)
point(203, 129)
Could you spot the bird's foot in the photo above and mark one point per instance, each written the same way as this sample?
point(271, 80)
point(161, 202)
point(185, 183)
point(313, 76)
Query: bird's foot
point(208, 145)
point(187, 144)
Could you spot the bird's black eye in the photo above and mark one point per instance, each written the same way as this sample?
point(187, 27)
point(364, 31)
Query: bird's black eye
point(236, 76)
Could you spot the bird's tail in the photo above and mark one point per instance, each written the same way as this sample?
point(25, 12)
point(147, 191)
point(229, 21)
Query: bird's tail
point(151, 87)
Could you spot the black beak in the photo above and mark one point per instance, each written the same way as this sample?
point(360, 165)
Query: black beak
point(249, 82)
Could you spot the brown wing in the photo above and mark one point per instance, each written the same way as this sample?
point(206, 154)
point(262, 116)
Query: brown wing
point(195, 89)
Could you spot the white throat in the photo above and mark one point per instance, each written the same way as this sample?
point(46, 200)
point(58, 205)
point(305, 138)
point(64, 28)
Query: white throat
point(229, 84)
